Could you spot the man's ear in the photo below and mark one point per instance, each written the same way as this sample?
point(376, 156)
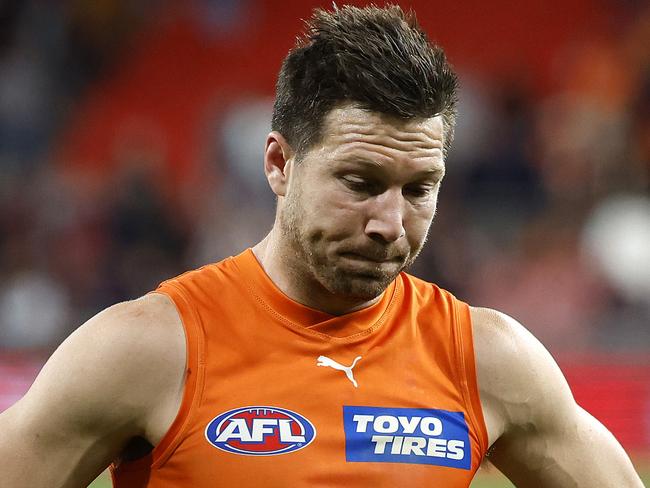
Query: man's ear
point(278, 156)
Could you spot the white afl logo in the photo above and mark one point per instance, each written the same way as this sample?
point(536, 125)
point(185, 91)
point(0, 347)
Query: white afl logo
point(260, 431)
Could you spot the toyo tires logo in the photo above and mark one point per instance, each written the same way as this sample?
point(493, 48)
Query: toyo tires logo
point(260, 431)
point(406, 435)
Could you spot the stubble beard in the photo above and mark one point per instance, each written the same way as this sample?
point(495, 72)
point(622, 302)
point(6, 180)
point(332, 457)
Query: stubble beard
point(311, 265)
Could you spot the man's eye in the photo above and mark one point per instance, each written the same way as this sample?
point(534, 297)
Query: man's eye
point(359, 184)
point(419, 191)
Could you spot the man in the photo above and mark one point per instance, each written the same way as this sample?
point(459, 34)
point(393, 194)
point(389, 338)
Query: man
point(312, 360)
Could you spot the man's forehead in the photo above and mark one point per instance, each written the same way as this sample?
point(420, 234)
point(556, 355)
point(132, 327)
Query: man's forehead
point(350, 120)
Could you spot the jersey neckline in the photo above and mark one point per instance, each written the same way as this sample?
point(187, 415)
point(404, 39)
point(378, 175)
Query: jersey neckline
point(361, 321)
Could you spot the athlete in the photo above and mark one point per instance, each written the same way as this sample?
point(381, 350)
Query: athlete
point(313, 359)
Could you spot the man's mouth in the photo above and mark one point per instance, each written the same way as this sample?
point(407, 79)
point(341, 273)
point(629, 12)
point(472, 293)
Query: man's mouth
point(373, 258)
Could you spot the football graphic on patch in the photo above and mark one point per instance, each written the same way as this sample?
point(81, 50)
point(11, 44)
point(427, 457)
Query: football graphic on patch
point(260, 431)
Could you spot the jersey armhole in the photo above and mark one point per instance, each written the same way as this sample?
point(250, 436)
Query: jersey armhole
point(468, 379)
point(192, 389)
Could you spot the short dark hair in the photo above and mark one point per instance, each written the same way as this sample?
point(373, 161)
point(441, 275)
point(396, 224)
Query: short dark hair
point(377, 58)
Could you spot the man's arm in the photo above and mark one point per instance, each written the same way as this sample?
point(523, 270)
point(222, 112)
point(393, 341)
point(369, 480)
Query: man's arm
point(540, 436)
point(116, 377)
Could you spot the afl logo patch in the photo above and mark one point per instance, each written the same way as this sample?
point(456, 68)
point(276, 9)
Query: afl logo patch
point(260, 431)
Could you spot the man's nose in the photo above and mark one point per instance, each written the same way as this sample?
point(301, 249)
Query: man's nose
point(386, 216)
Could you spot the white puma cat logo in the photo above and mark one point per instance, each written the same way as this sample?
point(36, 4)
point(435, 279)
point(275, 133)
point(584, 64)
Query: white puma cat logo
point(325, 361)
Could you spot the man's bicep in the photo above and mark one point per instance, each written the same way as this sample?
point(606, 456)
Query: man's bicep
point(543, 438)
point(577, 451)
point(81, 409)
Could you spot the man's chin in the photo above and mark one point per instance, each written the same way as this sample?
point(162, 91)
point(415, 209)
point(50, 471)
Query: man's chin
point(362, 287)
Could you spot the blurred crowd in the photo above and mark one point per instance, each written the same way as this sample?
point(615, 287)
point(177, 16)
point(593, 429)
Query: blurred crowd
point(544, 212)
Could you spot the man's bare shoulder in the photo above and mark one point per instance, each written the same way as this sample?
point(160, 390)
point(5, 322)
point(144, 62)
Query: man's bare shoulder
point(143, 333)
point(117, 377)
point(519, 381)
point(134, 352)
point(539, 435)
point(124, 347)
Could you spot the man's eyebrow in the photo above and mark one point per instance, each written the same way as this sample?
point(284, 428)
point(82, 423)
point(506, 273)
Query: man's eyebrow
point(436, 172)
point(363, 162)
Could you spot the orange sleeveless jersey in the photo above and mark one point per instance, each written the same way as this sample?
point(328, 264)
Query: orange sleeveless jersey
point(281, 395)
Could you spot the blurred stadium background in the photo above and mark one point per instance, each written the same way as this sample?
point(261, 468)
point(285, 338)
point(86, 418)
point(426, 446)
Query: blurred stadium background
point(131, 138)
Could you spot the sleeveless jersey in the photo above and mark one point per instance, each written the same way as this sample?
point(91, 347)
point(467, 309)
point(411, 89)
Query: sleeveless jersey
point(281, 395)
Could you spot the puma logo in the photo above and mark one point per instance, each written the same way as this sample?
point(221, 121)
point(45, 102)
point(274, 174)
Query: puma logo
point(325, 361)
